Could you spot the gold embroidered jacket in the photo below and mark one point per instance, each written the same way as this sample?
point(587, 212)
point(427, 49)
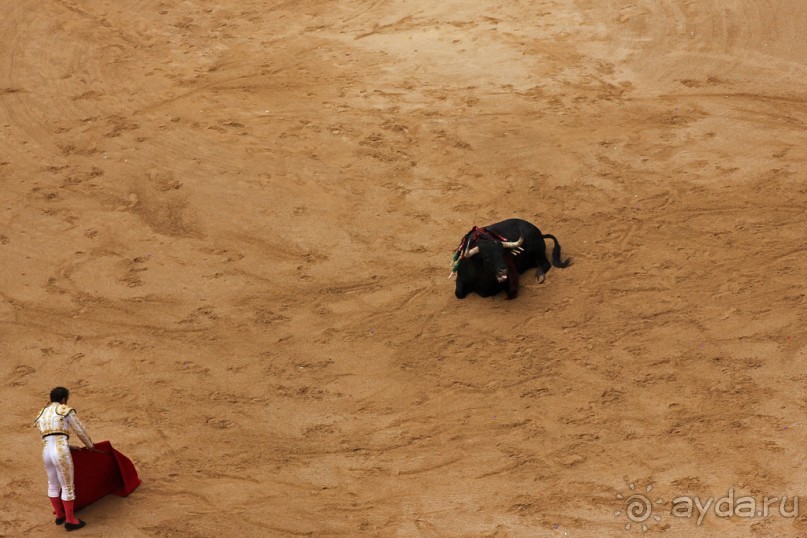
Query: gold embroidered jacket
point(59, 419)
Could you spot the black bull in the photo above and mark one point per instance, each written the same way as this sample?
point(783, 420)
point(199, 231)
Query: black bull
point(491, 259)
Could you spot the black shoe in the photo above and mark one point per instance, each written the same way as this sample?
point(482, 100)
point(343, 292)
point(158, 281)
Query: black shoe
point(60, 520)
point(74, 526)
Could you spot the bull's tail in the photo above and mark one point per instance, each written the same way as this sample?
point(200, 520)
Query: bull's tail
point(556, 261)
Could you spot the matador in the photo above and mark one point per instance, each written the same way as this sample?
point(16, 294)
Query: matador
point(55, 422)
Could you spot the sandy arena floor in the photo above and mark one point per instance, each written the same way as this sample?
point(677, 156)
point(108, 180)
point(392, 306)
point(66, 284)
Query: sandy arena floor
point(226, 226)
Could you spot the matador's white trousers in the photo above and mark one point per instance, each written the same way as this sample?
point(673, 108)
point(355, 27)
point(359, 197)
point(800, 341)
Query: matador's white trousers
point(59, 466)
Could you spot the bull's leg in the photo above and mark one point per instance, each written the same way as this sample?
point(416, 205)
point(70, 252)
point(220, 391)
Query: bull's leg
point(543, 266)
point(512, 285)
point(459, 291)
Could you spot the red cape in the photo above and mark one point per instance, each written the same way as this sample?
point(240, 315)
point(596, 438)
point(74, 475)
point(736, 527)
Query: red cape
point(99, 474)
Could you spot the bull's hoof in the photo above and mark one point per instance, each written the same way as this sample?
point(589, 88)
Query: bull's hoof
point(541, 278)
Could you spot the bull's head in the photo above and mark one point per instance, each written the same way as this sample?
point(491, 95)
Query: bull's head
point(492, 255)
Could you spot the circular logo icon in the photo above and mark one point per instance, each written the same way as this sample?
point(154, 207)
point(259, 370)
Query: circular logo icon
point(638, 508)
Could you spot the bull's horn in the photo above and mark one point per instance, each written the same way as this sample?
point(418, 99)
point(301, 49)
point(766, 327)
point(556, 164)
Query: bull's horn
point(473, 252)
point(513, 244)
